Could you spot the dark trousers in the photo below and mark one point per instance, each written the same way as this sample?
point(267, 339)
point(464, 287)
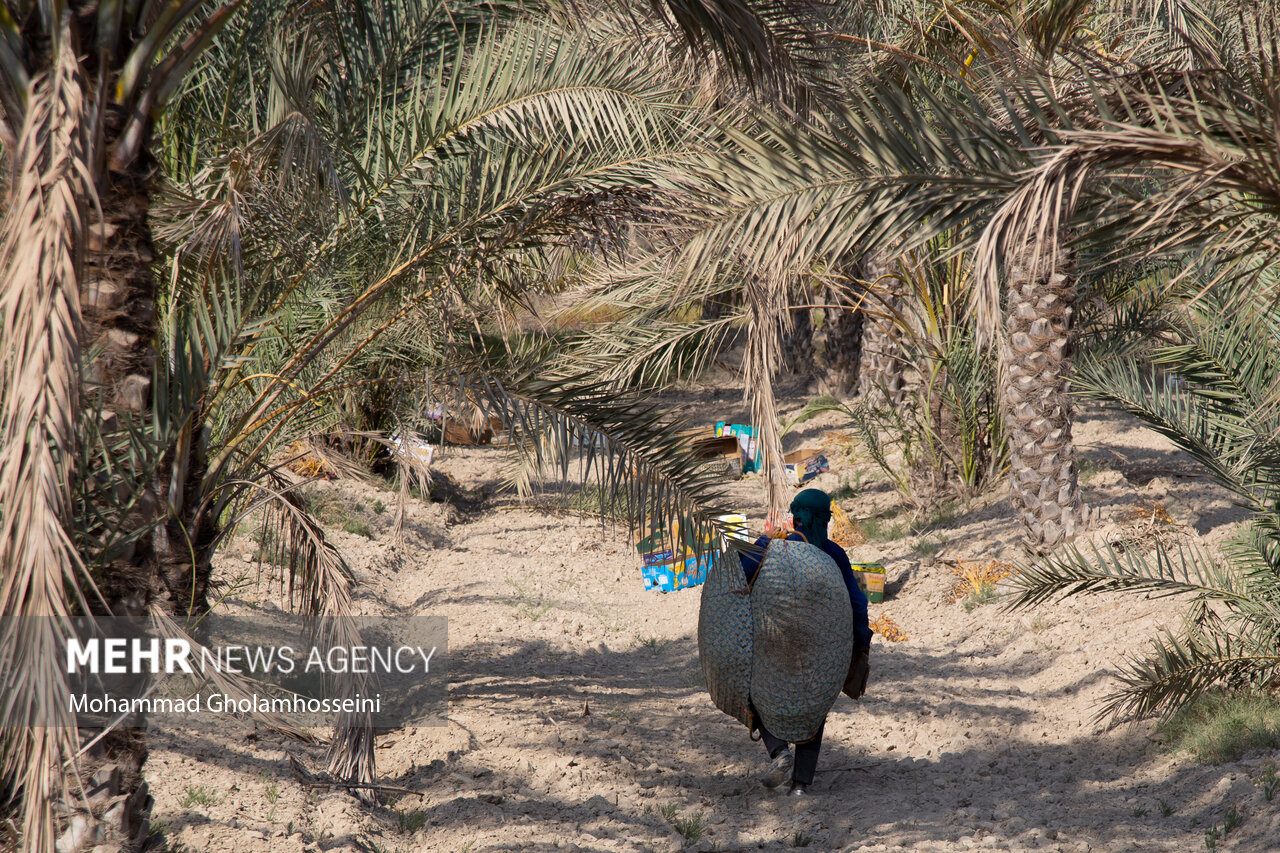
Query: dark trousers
point(806, 753)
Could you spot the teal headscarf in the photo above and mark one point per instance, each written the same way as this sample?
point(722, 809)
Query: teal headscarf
point(812, 510)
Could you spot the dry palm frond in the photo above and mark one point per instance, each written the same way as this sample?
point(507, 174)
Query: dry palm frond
point(840, 444)
point(889, 629)
point(974, 578)
point(225, 681)
point(412, 456)
point(1147, 524)
point(843, 531)
point(306, 462)
point(319, 584)
point(323, 455)
point(766, 298)
point(1150, 513)
point(39, 394)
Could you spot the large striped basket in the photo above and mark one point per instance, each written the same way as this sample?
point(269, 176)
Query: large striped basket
point(724, 636)
point(802, 637)
point(785, 647)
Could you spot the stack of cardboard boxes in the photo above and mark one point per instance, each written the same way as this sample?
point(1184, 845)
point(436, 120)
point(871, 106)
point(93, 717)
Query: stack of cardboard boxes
point(677, 557)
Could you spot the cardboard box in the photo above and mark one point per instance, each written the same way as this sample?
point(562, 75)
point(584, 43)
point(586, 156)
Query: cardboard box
point(803, 465)
point(870, 576)
point(748, 444)
point(414, 450)
point(669, 557)
point(722, 454)
point(677, 541)
point(737, 524)
point(659, 557)
point(680, 574)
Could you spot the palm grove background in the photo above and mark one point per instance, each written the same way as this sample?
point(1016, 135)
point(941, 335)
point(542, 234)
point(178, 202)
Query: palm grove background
point(234, 231)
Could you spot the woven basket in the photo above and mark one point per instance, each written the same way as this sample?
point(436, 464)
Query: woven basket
point(802, 637)
point(724, 636)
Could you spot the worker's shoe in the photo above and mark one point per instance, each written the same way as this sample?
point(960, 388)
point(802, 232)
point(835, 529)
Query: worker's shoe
point(779, 770)
point(798, 789)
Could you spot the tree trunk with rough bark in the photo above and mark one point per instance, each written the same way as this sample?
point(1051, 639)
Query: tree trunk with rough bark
point(796, 336)
point(117, 298)
point(882, 379)
point(934, 475)
point(155, 564)
point(842, 350)
point(1035, 360)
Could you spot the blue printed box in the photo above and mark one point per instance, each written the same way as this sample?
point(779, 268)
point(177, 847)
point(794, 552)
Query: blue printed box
point(658, 558)
point(669, 577)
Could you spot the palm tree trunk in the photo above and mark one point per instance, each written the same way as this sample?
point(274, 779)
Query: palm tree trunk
point(842, 351)
point(796, 336)
point(935, 476)
point(882, 380)
point(118, 298)
point(1035, 358)
point(169, 558)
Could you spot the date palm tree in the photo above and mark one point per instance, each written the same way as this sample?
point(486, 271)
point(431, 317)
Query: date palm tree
point(1220, 412)
point(1204, 136)
point(934, 138)
point(1040, 51)
point(80, 84)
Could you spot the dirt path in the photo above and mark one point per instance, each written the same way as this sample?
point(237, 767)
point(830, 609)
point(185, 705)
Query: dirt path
point(578, 719)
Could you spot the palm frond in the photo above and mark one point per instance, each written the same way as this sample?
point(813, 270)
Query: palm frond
point(630, 448)
point(1074, 572)
point(1126, 311)
point(1230, 453)
point(1202, 139)
point(319, 585)
point(772, 43)
point(1181, 668)
point(1215, 402)
point(520, 204)
point(224, 681)
point(43, 229)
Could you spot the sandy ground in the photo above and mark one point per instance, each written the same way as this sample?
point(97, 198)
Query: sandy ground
point(578, 720)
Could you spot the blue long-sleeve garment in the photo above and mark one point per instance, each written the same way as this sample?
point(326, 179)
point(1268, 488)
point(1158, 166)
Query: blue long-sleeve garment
point(861, 630)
